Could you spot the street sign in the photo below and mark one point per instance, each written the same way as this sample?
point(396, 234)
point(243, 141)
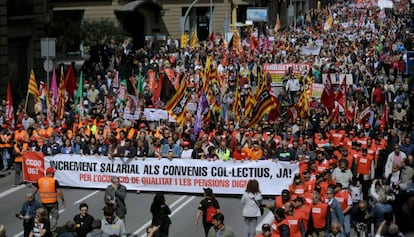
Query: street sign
point(48, 65)
point(48, 47)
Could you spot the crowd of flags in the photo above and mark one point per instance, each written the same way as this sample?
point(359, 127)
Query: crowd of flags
point(170, 91)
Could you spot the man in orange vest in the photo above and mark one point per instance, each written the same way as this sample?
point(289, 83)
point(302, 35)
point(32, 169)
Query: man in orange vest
point(280, 225)
point(320, 217)
point(18, 149)
point(5, 146)
point(49, 190)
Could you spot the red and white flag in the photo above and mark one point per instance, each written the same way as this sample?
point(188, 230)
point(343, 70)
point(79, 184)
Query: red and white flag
point(328, 98)
point(9, 107)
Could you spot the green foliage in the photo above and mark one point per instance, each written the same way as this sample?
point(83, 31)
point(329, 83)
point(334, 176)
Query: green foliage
point(65, 28)
point(100, 32)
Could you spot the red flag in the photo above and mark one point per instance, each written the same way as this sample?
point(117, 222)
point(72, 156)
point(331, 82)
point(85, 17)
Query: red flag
point(341, 94)
point(275, 112)
point(70, 81)
point(9, 107)
point(365, 115)
point(384, 119)
point(61, 97)
point(328, 98)
point(210, 44)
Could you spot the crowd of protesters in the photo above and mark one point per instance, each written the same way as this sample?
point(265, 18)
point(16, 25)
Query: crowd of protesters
point(366, 165)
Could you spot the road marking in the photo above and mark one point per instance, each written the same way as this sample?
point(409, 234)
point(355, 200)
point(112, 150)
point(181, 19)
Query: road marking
point(86, 197)
point(268, 218)
point(21, 233)
point(172, 213)
point(14, 189)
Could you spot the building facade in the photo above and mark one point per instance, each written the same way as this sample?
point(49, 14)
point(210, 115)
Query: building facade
point(24, 22)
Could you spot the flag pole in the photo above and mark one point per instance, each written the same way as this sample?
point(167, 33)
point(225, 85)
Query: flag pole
point(27, 98)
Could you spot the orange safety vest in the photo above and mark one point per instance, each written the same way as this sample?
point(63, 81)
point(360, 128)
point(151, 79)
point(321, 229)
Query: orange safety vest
point(47, 190)
point(18, 150)
point(364, 164)
point(5, 141)
point(276, 226)
point(21, 134)
point(298, 191)
point(304, 212)
point(342, 198)
point(295, 221)
point(131, 134)
point(319, 214)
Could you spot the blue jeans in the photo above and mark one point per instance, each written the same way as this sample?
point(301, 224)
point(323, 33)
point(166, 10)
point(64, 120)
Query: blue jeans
point(6, 158)
point(347, 224)
point(379, 211)
point(250, 226)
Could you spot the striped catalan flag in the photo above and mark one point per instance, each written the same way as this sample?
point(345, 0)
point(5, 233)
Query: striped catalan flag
point(32, 88)
point(263, 106)
point(177, 105)
point(249, 104)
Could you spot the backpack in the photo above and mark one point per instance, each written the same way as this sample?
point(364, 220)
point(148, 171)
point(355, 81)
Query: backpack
point(210, 212)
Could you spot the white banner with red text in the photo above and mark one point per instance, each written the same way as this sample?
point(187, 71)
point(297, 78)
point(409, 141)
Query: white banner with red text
point(176, 175)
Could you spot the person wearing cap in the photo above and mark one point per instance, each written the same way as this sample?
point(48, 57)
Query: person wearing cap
point(111, 224)
point(49, 190)
point(21, 133)
point(280, 225)
point(96, 229)
point(302, 210)
point(280, 200)
point(266, 231)
point(252, 202)
point(33, 145)
point(5, 146)
point(187, 152)
point(208, 200)
point(45, 129)
point(219, 229)
point(28, 213)
point(17, 153)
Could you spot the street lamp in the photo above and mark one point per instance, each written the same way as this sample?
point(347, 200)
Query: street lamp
point(186, 15)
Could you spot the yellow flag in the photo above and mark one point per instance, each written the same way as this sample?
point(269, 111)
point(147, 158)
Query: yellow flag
point(184, 40)
point(194, 40)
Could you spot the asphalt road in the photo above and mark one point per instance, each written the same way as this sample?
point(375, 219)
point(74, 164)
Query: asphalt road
point(138, 216)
